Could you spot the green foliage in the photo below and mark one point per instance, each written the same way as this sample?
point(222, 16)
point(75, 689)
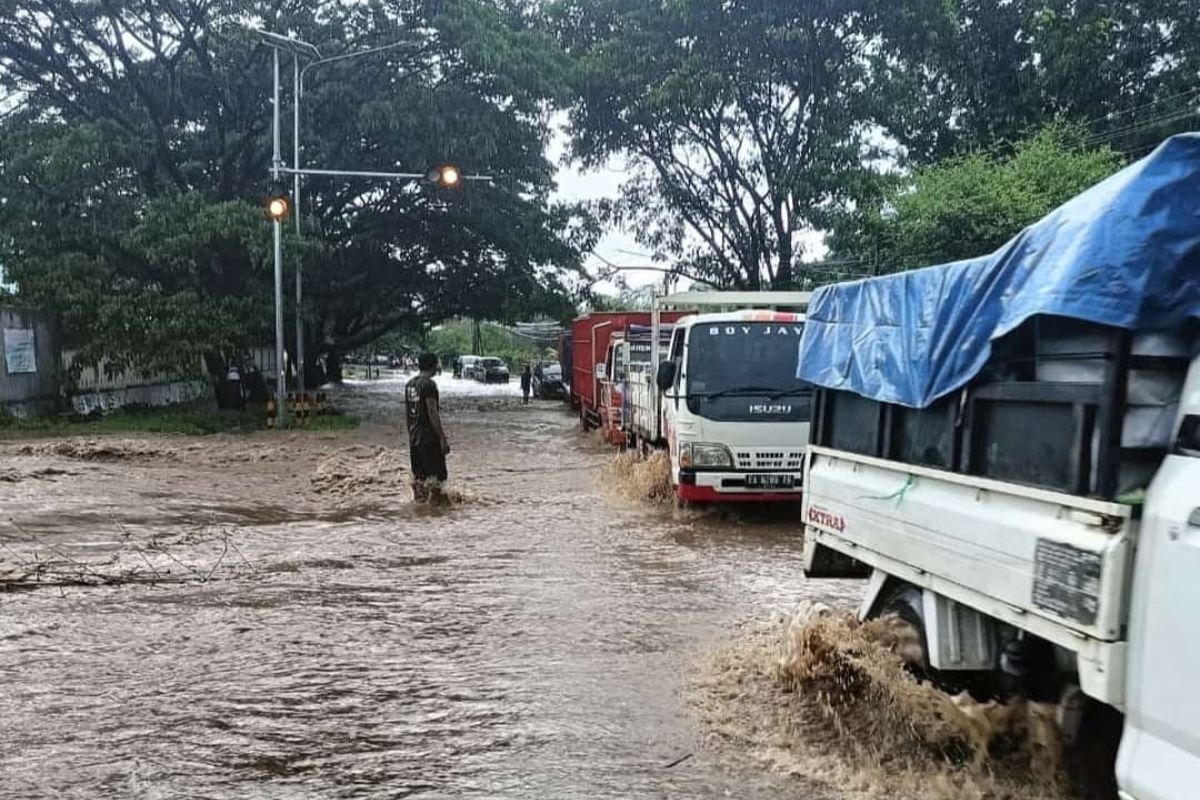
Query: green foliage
point(966, 74)
point(454, 338)
point(330, 422)
point(133, 174)
point(747, 123)
point(972, 204)
point(743, 122)
point(187, 420)
point(628, 299)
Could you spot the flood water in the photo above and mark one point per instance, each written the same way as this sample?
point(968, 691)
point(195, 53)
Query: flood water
point(532, 640)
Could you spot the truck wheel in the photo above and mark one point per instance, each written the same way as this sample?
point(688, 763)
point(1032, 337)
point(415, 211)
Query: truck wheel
point(906, 603)
point(1091, 761)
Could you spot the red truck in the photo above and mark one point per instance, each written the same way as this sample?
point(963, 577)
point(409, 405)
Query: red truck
point(586, 348)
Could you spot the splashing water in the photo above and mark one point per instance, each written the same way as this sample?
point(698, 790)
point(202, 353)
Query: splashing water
point(631, 476)
point(832, 697)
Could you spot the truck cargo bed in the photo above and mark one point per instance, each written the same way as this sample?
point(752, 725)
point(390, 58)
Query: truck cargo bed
point(1053, 563)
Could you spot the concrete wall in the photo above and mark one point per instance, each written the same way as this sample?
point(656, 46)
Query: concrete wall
point(93, 389)
point(26, 394)
point(158, 394)
point(102, 388)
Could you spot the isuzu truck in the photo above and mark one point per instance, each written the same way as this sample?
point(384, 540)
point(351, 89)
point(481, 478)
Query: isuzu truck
point(726, 401)
point(1009, 448)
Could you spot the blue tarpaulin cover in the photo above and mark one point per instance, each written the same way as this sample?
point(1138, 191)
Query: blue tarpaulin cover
point(1124, 253)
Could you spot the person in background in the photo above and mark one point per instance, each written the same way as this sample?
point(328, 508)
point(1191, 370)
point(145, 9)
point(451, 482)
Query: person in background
point(526, 384)
point(427, 442)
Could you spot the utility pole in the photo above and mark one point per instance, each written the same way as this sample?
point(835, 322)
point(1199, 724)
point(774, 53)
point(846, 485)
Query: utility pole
point(277, 226)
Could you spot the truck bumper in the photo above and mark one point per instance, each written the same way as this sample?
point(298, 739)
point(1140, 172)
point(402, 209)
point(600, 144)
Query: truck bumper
point(730, 487)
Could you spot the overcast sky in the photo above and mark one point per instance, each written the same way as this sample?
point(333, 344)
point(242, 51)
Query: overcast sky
point(618, 246)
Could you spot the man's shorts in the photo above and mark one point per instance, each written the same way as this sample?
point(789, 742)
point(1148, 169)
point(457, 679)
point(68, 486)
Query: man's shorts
point(428, 462)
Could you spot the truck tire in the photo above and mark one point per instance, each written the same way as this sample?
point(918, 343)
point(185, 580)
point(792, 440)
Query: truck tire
point(1091, 762)
point(905, 602)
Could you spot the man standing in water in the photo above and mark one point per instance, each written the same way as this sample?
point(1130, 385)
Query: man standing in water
point(427, 442)
point(526, 384)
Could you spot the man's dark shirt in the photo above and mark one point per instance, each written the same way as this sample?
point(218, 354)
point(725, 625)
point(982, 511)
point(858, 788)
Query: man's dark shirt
point(420, 429)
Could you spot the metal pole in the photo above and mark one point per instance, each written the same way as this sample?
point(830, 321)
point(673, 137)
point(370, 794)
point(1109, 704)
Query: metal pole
point(280, 373)
point(653, 391)
point(299, 253)
point(407, 176)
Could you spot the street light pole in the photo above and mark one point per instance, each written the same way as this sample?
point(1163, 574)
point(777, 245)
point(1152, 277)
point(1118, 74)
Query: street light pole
point(296, 206)
point(297, 94)
point(277, 225)
point(447, 175)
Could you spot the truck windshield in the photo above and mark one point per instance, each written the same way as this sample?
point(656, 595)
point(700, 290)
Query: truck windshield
point(639, 351)
point(746, 371)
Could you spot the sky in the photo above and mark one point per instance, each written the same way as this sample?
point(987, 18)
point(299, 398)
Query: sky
point(618, 246)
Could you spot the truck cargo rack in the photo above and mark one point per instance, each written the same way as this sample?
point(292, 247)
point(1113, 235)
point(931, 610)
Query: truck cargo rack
point(1007, 425)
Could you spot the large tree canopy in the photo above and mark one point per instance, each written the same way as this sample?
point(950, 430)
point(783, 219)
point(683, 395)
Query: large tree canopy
point(979, 72)
point(745, 123)
point(970, 205)
point(134, 167)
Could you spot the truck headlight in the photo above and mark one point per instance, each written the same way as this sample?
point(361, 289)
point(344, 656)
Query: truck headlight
point(704, 455)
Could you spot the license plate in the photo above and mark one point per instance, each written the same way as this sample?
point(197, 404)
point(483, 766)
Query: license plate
point(770, 481)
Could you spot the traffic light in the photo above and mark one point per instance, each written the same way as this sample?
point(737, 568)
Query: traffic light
point(447, 176)
point(277, 205)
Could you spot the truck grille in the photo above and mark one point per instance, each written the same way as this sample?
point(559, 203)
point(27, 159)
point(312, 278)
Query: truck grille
point(770, 459)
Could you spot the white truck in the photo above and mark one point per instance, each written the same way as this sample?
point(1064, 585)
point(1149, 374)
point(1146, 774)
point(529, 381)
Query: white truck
point(1019, 475)
point(726, 401)
point(627, 356)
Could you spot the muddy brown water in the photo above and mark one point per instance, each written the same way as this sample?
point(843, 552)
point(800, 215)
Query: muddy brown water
point(531, 640)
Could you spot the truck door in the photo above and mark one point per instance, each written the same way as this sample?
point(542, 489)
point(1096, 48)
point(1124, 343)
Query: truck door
point(670, 402)
point(1159, 757)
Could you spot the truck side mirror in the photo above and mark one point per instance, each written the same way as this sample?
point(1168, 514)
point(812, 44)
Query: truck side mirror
point(666, 375)
point(602, 370)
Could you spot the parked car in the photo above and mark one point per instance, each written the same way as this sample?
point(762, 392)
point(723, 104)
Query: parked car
point(466, 366)
point(548, 380)
point(491, 370)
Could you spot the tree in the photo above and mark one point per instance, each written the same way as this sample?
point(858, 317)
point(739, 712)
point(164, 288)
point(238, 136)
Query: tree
point(133, 172)
point(454, 338)
point(975, 73)
point(747, 123)
point(744, 123)
point(970, 205)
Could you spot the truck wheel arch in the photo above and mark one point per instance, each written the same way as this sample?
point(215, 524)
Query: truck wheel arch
point(888, 595)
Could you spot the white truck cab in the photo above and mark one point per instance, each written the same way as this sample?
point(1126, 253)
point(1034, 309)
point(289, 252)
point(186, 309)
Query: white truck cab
point(1160, 747)
point(726, 402)
point(735, 417)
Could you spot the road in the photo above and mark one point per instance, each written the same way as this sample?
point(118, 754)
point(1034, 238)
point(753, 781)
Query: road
point(294, 627)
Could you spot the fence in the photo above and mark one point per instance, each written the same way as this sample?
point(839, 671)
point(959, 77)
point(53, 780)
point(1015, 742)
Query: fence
point(264, 359)
point(36, 377)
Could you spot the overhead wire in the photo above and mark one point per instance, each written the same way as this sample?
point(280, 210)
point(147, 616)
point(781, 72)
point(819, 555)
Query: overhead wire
point(1141, 106)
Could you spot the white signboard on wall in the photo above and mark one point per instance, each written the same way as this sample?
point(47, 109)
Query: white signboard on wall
point(20, 352)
